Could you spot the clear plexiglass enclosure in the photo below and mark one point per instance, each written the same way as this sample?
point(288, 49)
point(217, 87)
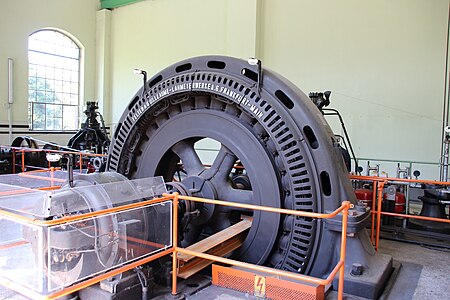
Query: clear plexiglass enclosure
point(42, 254)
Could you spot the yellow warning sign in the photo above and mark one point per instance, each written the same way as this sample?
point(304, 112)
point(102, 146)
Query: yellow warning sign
point(260, 286)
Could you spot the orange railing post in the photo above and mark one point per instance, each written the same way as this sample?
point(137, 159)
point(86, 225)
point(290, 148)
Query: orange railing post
point(343, 249)
point(13, 160)
point(380, 201)
point(52, 176)
point(23, 160)
point(175, 244)
point(374, 199)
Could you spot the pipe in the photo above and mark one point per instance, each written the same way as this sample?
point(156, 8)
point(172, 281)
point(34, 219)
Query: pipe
point(335, 112)
point(10, 96)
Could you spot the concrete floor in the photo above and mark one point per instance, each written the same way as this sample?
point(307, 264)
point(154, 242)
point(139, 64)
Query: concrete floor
point(433, 282)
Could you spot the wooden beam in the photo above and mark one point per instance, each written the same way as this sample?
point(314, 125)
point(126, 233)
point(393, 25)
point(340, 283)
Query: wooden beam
point(220, 244)
point(217, 238)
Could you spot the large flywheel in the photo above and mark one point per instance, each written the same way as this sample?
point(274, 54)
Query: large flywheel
point(258, 119)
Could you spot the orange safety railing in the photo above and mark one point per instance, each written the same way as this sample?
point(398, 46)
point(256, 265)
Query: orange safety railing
point(344, 208)
point(346, 205)
point(378, 187)
point(24, 150)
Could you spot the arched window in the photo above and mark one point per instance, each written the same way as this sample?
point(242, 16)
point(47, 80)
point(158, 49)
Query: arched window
point(53, 81)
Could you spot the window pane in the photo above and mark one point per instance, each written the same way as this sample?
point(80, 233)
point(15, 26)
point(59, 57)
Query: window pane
point(53, 81)
point(40, 71)
point(74, 76)
point(50, 85)
point(38, 113)
point(74, 99)
point(53, 117)
point(66, 87)
point(70, 117)
point(30, 113)
point(74, 88)
point(50, 72)
point(31, 96)
point(58, 86)
point(32, 81)
point(66, 75)
point(49, 97)
point(32, 70)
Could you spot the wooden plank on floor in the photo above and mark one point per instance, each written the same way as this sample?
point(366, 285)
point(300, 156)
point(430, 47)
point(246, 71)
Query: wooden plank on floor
point(217, 238)
point(197, 264)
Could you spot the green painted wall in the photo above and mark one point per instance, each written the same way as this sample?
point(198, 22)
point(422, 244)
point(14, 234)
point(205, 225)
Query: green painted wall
point(383, 60)
point(20, 18)
point(153, 34)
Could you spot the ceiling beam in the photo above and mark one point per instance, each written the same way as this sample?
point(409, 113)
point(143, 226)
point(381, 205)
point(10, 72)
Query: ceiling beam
point(109, 4)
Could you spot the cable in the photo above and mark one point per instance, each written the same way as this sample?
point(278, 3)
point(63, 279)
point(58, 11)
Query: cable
point(103, 124)
point(387, 106)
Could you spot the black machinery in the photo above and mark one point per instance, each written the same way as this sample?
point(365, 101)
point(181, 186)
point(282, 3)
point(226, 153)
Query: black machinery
point(290, 156)
point(92, 136)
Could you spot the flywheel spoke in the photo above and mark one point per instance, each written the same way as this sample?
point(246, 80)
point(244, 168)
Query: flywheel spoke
point(186, 152)
point(220, 169)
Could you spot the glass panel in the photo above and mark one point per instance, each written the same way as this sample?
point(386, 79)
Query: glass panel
point(50, 72)
point(38, 116)
point(53, 123)
point(32, 81)
point(85, 248)
point(66, 75)
point(40, 71)
point(70, 117)
point(58, 86)
point(32, 70)
point(74, 76)
point(53, 117)
point(18, 245)
point(49, 97)
point(74, 99)
point(45, 259)
point(74, 88)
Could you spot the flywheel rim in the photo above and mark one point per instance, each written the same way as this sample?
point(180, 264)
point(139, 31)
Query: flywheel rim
point(295, 132)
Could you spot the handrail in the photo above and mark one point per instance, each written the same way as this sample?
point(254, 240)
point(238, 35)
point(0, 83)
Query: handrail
point(378, 186)
point(376, 178)
point(340, 266)
point(66, 219)
point(175, 198)
point(267, 208)
point(23, 150)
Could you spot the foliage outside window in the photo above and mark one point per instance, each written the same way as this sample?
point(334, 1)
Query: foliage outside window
point(53, 81)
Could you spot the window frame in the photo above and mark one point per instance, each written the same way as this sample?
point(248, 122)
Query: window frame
point(66, 89)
